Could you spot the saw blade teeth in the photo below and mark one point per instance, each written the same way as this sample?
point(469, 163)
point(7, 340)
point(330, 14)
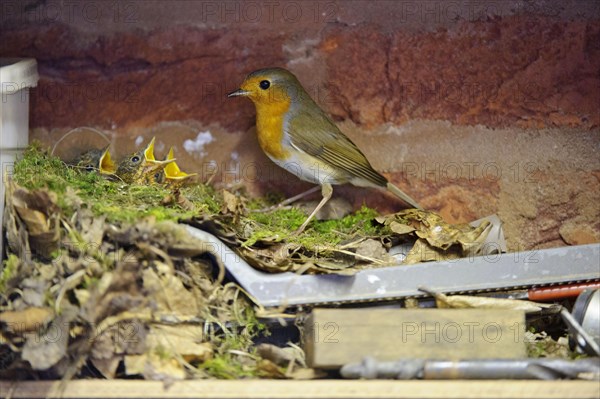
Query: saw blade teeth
point(467, 292)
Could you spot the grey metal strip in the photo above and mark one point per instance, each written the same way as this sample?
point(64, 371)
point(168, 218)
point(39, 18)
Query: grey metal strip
point(482, 273)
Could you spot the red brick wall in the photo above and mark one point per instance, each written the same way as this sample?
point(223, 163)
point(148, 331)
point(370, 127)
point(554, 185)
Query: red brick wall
point(421, 86)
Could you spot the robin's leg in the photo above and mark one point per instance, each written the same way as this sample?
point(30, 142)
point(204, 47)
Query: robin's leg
point(290, 200)
point(326, 191)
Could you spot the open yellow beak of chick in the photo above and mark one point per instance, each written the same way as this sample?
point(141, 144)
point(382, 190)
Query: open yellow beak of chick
point(106, 165)
point(172, 170)
point(166, 171)
point(173, 175)
point(151, 164)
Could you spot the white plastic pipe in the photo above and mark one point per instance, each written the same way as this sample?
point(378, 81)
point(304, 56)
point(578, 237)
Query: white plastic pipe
point(17, 75)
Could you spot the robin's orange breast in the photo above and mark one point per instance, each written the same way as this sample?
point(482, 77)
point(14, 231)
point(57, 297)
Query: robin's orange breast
point(269, 128)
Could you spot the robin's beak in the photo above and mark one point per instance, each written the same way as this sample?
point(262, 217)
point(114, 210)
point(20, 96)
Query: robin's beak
point(238, 92)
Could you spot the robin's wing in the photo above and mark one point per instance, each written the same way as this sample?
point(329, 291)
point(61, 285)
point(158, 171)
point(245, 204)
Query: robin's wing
point(315, 134)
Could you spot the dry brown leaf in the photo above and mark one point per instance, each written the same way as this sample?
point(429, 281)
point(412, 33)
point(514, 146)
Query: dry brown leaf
point(279, 356)
point(45, 349)
point(371, 249)
point(232, 204)
point(36, 221)
point(267, 369)
point(27, 320)
point(183, 202)
point(177, 198)
point(303, 373)
point(44, 234)
point(40, 200)
point(127, 336)
point(441, 234)
point(401, 228)
point(33, 291)
point(159, 366)
point(482, 302)
point(168, 292)
point(437, 239)
point(266, 259)
point(92, 231)
point(167, 348)
point(135, 364)
point(396, 223)
point(329, 266)
point(108, 366)
point(423, 252)
point(82, 296)
point(35, 207)
point(183, 340)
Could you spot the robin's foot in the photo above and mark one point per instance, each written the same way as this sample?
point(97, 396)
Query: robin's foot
point(326, 191)
point(290, 200)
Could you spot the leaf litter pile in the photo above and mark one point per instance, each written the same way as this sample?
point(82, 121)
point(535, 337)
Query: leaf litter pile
point(102, 279)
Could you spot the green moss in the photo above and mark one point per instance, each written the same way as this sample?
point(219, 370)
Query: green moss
point(163, 353)
point(10, 268)
point(277, 225)
point(90, 282)
point(360, 221)
point(281, 224)
point(226, 367)
point(226, 363)
point(253, 326)
point(230, 343)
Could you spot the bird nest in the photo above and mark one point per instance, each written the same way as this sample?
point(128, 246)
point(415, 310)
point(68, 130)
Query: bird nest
point(102, 279)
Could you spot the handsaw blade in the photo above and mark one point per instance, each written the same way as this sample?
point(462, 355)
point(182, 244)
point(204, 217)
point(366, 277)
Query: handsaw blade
point(466, 275)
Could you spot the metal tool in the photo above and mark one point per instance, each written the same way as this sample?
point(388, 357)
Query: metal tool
point(475, 274)
point(586, 312)
point(551, 293)
point(584, 340)
point(480, 369)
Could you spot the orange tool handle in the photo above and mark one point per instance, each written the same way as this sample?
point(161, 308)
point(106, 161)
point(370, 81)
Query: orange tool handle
point(560, 291)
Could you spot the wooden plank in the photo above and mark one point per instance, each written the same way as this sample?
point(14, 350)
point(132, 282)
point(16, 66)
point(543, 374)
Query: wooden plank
point(335, 337)
point(94, 389)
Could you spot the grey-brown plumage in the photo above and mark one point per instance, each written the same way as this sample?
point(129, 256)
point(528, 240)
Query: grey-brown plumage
point(95, 160)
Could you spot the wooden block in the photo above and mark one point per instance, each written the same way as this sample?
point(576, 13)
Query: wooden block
point(334, 337)
point(257, 389)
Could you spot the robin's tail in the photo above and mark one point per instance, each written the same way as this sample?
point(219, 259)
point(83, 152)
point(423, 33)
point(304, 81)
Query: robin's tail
point(402, 195)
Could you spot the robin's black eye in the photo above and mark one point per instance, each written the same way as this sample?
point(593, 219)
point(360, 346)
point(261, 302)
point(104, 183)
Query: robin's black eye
point(135, 159)
point(265, 84)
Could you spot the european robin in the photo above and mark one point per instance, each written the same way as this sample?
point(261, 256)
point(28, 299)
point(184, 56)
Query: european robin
point(297, 135)
point(96, 159)
point(141, 166)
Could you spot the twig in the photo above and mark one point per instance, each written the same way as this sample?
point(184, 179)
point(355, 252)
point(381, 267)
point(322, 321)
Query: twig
point(70, 282)
point(145, 315)
point(362, 257)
